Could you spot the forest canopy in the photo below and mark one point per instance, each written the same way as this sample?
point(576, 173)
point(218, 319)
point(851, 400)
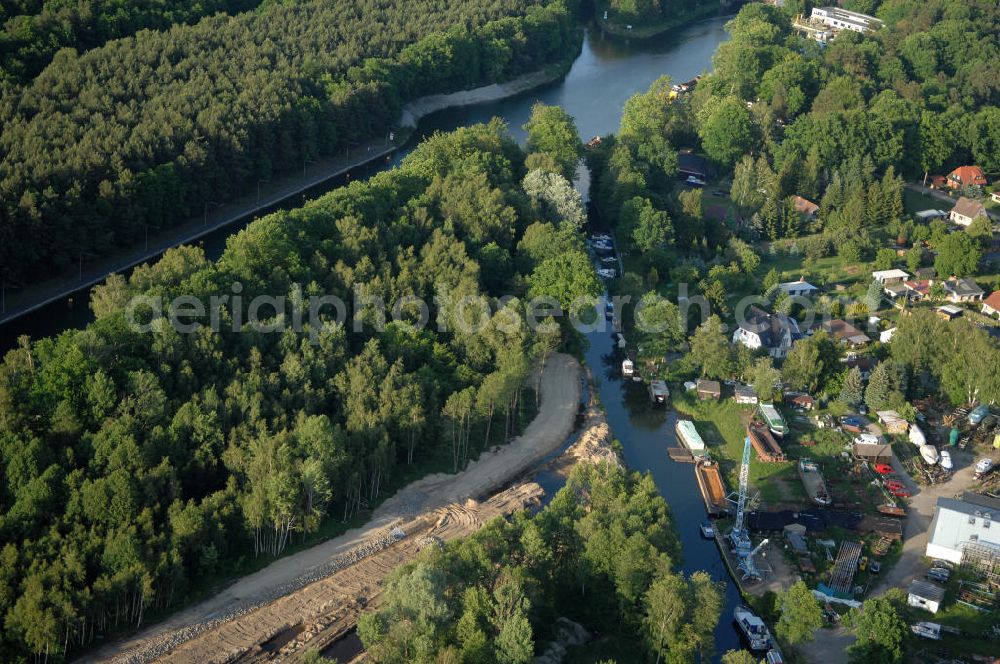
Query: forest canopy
point(135, 464)
point(145, 132)
point(603, 552)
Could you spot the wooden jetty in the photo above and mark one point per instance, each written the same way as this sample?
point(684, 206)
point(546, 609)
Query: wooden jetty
point(680, 455)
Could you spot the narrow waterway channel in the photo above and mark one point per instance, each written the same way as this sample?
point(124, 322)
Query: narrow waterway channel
point(645, 432)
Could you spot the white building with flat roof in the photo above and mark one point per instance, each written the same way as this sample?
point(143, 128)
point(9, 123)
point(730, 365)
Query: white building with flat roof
point(890, 276)
point(843, 19)
point(959, 523)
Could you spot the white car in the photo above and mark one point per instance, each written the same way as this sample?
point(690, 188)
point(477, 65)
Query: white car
point(695, 182)
point(606, 273)
point(983, 466)
point(946, 460)
point(866, 439)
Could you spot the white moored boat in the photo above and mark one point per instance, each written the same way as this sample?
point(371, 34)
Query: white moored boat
point(753, 628)
point(628, 368)
point(917, 436)
point(929, 454)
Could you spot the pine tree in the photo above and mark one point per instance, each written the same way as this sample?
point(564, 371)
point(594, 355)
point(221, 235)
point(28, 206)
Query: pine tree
point(880, 386)
point(853, 388)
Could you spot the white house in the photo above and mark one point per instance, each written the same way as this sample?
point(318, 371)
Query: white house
point(775, 333)
point(842, 19)
point(966, 211)
point(963, 290)
point(800, 288)
point(991, 305)
point(960, 523)
point(925, 595)
point(890, 276)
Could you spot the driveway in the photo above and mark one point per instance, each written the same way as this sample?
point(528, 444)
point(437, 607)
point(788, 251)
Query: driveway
point(918, 520)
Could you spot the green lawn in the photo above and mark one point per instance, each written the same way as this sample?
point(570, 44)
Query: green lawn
point(722, 425)
point(824, 272)
point(915, 201)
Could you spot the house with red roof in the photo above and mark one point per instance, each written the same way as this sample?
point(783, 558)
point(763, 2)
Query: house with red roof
point(966, 176)
point(991, 305)
point(918, 289)
point(805, 207)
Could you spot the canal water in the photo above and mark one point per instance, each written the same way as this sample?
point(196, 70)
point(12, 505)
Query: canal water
point(608, 71)
point(645, 432)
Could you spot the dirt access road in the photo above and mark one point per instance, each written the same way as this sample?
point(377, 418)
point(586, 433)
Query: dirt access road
point(560, 398)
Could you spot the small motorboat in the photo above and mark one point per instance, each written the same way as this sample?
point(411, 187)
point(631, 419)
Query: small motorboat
point(946, 461)
point(927, 630)
point(707, 530)
point(929, 454)
point(983, 467)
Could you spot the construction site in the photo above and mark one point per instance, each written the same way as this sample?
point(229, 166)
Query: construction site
point(312, 600)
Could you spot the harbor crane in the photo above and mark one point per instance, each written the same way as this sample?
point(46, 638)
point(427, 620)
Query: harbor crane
point(739, 536)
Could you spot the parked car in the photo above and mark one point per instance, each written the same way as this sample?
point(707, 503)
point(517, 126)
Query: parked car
point(695, 182)
point(875, 567)
point(607, 273)
point(883, 468)
point(852, 424)
point(945, 459)
point(939, 574)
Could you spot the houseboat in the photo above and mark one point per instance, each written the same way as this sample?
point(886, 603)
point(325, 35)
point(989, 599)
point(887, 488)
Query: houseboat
point(658, 391)
point(753, 628)
point(713, 491)
point(689, 437)
point(763, 441)
point(775, 422)
point(812, 480)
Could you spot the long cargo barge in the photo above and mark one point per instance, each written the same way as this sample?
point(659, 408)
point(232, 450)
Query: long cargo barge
point(768, 449)
point(689, 437)
point(713, 490)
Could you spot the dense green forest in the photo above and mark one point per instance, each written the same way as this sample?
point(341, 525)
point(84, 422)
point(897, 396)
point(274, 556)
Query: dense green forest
point(135, 464)
point(145, 132)
point(34, 30)
point(603, 554)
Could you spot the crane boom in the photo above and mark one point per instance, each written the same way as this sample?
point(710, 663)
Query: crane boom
point(741, 501)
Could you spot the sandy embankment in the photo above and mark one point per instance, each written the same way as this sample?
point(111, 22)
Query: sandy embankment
point(418, 108)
